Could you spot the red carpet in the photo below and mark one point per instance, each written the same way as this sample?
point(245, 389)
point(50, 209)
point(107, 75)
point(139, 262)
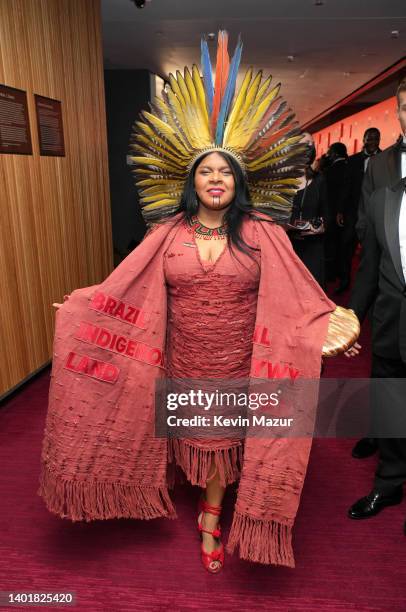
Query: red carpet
point(342, 565)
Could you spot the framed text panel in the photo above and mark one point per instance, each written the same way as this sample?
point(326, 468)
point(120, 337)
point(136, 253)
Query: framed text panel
point(15, 135)
point(50, 126)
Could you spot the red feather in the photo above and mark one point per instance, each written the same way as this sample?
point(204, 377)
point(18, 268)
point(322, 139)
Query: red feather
point(222, 69)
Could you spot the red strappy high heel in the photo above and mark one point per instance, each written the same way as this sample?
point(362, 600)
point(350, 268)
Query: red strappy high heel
point(212, 561)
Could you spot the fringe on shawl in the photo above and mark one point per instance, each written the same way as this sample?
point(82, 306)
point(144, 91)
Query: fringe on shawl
point(196, 462)
point(267, 542)
point(87, 501)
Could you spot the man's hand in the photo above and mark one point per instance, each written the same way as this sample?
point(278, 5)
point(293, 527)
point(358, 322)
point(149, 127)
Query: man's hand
point(340, 219)
point(353, 351)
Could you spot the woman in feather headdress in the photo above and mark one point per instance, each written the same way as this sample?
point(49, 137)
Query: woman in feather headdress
point(215, 291)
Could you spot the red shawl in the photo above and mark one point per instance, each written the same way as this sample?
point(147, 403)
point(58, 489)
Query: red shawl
point(100, 459)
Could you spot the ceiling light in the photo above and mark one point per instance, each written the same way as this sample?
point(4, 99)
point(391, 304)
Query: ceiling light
point(394, 34)
point(290, 58)
point(211, 35)
point(140, 3)
point(318, 2)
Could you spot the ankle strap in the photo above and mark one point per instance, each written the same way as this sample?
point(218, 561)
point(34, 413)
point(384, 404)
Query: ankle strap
point(215, 510)
point(216, 533)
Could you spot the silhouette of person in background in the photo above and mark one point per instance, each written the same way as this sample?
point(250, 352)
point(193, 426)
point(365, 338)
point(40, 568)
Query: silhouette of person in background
point(338, 189)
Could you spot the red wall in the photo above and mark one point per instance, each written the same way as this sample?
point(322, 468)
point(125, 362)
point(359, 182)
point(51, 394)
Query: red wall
point(351, 129)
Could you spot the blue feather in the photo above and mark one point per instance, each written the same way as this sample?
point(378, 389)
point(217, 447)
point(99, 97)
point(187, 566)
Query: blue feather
point(207, 75)
point(228, 93)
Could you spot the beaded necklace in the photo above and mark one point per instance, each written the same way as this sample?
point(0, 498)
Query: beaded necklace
point(207, 233)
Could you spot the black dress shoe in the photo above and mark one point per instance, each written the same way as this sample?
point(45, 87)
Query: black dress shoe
point(366, 447)
point(373, 503)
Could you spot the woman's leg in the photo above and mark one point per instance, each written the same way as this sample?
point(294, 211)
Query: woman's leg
point(214, 494)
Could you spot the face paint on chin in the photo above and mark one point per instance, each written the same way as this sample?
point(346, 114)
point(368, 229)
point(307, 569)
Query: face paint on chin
point(214, 203)
point(218, 205)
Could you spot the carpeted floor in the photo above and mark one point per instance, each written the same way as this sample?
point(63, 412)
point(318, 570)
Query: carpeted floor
point(342, 565)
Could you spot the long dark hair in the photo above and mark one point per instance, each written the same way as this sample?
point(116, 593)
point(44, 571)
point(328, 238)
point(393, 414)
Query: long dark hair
point(240, 206)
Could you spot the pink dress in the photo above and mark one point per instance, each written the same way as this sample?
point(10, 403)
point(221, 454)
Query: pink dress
point(211, 320)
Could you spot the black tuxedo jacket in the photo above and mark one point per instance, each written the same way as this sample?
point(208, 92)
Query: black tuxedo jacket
point(356, 165)
point(384, 170)
point(380, 275)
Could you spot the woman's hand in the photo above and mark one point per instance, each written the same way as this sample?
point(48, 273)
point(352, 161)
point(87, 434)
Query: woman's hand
point(57, 305)
point(353, 351)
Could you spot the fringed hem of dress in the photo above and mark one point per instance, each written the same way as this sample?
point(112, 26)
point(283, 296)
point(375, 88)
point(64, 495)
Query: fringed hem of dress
point(196, 461)
point(80, 500)
point(268, 542)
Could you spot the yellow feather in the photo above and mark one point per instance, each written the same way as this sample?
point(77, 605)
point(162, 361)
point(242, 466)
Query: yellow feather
point(267, 192)
point(187, 116)
point(286, 142)
point(251, 93)
point(201, 96)
point(160, 203)
point(157, 189)
point(274, 198)
point(192, 116)
point(154, 174)
point(157, 181)
point(243, 129)
point(255, 118)
point(166, 130)
point(150, 135)
point(163, 107)
point(183, 87)
point(155, 161)
point(175, 87)
point(262, 90)
point(203, 127)
point(151, 199)
point(235, 113)
point(265, 161)
point(182, 119)
point(278, 181)
point(190, 87)
point(156, 148)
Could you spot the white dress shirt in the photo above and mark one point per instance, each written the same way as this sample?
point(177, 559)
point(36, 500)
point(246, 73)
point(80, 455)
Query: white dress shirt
point(367, 158)
point(402, 218)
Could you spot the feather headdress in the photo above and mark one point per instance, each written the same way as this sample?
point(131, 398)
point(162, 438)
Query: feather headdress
point(197, 115)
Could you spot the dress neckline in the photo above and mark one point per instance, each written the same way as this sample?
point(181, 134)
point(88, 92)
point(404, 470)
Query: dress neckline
point(206, 264)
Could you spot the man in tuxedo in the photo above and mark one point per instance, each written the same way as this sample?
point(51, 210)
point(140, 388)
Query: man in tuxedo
point(382, 170)
point(348, 214)
point(381, 281)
